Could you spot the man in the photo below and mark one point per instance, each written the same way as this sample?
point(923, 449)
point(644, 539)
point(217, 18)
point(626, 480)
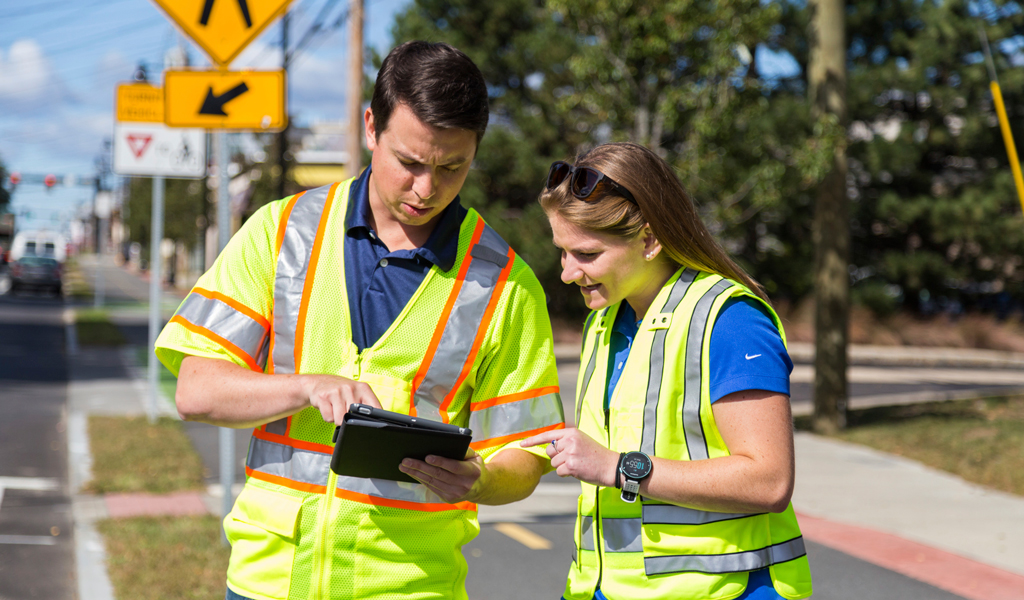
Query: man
point(380, 290)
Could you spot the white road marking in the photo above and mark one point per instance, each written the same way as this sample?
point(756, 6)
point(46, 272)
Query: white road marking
point(29, 540)
point(37, 484)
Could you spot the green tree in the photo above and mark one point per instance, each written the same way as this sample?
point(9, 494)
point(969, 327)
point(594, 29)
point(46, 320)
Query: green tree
point(935, 218)
point(5, 194)
point(186, 211)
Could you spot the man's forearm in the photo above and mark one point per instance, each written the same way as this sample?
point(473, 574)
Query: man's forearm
point(512, 475)
point(222, 393)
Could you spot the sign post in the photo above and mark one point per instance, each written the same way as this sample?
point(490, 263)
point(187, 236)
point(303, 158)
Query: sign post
point(224, 100)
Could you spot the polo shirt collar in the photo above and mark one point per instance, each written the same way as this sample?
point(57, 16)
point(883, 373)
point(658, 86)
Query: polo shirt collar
point(442, 247)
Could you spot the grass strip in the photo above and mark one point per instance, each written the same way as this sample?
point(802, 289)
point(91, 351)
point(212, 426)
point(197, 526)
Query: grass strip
point(95, 329)
point(130, 454)
point(981, 440)
point(154, 558)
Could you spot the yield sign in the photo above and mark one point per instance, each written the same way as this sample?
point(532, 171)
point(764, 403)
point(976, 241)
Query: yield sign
point(223, 28)
point(138, 143)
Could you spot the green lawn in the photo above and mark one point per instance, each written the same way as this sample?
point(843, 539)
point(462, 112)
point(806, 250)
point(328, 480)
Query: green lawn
point(130, 454)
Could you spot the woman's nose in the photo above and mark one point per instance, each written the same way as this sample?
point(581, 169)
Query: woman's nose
point(570, 270)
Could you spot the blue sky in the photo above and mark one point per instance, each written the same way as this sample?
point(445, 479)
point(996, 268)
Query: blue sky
point(60, 61)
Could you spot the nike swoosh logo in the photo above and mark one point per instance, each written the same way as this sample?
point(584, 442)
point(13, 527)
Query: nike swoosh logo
point(748, 357)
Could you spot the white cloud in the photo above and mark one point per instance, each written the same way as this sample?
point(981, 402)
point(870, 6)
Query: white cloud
point(28, 82)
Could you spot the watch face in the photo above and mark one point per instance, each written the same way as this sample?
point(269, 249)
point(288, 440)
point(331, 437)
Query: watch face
point(636, 465)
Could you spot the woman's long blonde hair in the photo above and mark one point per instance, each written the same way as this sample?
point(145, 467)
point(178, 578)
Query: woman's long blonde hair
point(662, 203)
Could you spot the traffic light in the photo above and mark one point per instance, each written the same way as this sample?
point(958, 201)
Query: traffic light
point(50, 180)
point(15, 179)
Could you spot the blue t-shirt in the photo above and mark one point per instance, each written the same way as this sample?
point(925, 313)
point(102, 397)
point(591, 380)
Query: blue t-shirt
point(746, 353)
point(380, 282)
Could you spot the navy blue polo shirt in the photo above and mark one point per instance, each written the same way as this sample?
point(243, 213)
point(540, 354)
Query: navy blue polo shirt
point(381, 282)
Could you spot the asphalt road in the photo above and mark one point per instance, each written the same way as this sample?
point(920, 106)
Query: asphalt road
point(36, 549)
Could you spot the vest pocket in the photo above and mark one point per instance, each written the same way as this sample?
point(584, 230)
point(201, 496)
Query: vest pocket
point(262, 530)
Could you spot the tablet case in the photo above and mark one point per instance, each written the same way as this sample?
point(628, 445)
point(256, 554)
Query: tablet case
point(373, 447)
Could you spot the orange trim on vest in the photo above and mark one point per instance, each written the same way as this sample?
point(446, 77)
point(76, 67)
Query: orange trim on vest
point(279, 241)
point(288, 483)
point(485, 322)
point(501, 441)
point(277, 438)
point(391, 503)
point(553, 389)
point(235, 304)
point(307, 288)
point(197, 329)
point(435, 340)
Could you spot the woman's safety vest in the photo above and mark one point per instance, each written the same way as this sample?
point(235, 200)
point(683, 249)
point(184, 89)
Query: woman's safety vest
point(297, 529)
point(650, 550)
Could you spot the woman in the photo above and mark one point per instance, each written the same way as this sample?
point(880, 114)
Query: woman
point(682, 399)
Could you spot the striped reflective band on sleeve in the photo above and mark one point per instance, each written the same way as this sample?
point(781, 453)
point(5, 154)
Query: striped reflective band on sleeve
point(288, 464)
point(498, 420)
point(670, 514)
point(296, 264)
point(587, 534)
point(622, 535)
point(591, 364)
point(657, 363)
point(394, 494)
point(726, 563)
point(462, 325)
point(226, 321)
point(693, 428)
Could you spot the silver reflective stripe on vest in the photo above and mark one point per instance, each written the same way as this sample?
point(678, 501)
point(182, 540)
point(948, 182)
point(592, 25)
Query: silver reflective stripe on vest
point(296, 464)
point(280, 426)
point(463, 323)
point(514, 417)
point(657, 363)
point(391, 490)
point(591, 364)
point(292, 264)
point(726, 563)
point(236, 327)
point(670, 514)
point(622, 535)
point(587, 534)
point(693, 428)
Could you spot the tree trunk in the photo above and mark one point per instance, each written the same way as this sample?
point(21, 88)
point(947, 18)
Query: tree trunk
point(827, 87)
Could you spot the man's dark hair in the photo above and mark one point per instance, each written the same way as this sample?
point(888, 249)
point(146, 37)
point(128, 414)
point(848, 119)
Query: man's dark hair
point(440, 84)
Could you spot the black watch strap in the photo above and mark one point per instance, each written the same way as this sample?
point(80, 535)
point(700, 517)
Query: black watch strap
point(618, 473)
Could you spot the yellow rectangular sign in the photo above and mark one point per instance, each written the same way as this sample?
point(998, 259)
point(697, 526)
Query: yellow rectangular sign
point(225, 99)
point(139, 102)
point(223, 28)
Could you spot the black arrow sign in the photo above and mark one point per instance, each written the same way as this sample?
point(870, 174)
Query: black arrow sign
point(243, 5)
point(214, 105)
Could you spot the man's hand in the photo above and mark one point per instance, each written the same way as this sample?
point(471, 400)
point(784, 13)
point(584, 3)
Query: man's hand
point(332, 395)
point(452, 480)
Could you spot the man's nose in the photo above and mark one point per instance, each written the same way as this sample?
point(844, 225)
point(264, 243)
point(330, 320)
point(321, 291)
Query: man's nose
point(423, 185)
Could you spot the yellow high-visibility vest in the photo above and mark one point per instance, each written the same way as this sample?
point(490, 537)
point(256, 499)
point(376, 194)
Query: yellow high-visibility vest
point(651, 550)
point(473, 347)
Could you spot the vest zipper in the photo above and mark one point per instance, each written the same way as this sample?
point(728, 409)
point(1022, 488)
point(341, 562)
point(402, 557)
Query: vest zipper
point(599, 542)
point(320, 578)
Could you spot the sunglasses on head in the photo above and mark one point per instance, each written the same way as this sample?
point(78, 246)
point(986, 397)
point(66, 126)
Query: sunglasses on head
point(583, 181)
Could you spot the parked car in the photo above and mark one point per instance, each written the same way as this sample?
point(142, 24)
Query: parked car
point(36, 272)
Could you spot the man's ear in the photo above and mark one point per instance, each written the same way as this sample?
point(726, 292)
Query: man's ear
point(370, 130)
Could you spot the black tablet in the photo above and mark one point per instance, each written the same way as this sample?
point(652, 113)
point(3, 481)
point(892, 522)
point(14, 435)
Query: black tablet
point(371, 442)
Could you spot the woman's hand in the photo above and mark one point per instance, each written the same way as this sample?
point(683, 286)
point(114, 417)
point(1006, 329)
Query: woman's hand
point(576, 454)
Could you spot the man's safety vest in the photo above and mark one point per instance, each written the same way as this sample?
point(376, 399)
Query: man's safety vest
point(651, 550)
point(297, 529)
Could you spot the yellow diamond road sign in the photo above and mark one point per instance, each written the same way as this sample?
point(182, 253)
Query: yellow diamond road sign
point(225, 99)
point(222, 28)
point(139, 103)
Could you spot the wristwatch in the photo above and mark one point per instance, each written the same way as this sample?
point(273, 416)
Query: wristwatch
point(635, 467)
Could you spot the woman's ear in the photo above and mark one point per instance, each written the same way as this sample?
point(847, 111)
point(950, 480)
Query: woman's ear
point(652, 247)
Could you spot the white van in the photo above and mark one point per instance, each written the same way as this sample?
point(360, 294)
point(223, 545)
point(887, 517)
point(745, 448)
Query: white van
point(39, 243)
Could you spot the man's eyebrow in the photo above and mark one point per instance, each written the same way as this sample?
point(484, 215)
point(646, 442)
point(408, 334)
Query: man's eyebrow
point(458, 160)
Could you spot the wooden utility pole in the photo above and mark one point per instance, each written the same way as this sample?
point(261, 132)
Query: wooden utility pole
point(355, 88)
point(827, 87)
